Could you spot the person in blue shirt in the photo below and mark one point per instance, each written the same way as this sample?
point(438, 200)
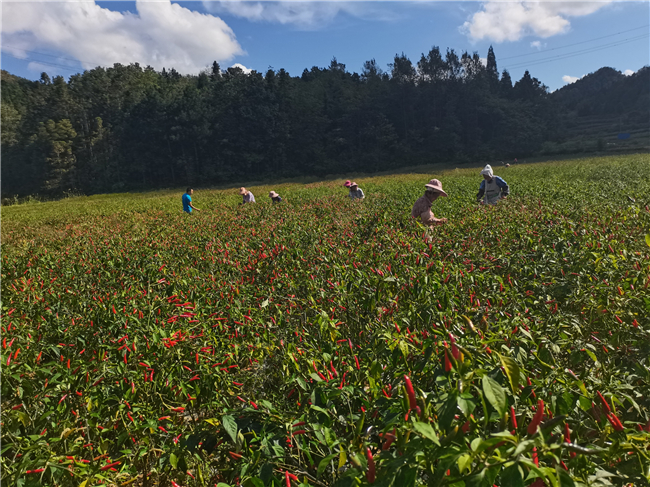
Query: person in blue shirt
point(492, 188)
point(187, 202)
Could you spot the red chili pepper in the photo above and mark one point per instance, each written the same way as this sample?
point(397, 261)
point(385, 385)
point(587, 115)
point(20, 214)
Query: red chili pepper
point(390, 437)
point(234, 455)
point(539, 414)
point(370, 474)
point(513, 418)
point(38, 470)
point(333, 369)
point(110, 465)
point(410, 392)
point(604, 401)
point(448, 365)
point(615, 422)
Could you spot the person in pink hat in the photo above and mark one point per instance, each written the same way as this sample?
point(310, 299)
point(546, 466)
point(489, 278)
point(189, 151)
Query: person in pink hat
point(356, 193)
point(422, 207)
point(347, 183)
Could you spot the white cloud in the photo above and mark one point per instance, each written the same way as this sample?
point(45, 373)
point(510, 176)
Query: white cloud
point(483, 61)
point(510, 21)
point(628, 72)
point(160, 34)
point(570, 79)
point(242, 67)
point(539, 45)
point(303, 14)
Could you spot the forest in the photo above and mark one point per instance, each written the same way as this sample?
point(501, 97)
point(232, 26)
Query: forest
point(130, 128)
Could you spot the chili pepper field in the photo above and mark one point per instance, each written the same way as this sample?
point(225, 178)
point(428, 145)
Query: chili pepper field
point(322, 341)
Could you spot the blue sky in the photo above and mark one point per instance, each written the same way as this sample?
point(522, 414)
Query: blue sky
point(557, 41)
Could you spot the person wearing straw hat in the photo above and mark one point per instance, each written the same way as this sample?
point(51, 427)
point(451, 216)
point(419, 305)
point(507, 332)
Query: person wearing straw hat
point(356, 193)
point(275, 197)
point(492, 188)
point(247, 196)
point(422, 207)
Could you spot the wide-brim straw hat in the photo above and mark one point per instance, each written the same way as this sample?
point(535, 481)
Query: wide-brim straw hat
point(242, 191)
point(347, 184)
point(352, 185)
point(273, 194)
point(435, 185)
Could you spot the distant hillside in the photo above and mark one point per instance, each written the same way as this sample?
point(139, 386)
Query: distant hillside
point(605, 111)
point(607, 92)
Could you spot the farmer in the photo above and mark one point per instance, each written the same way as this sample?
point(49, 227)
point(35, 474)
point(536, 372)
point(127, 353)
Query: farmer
point(247, 196)
point(356, 193)
point(275, 197)
point(422, 207)
point(187, 201)
point(492, 188)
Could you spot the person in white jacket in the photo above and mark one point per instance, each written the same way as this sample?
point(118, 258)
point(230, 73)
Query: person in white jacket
point(492, 188)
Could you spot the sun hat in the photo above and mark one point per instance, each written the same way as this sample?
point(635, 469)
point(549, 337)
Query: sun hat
point(273, 194)
point(353, 184)
point(487, 171)
point(242, 190)
point(435, 185)
point(347, 184)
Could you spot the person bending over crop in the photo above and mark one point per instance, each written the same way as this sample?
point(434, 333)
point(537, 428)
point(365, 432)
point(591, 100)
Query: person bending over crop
point(187, 201)
point(492, 188)
point(356, 193)
point(422, 207)
point(275, 197)
point(248, 197)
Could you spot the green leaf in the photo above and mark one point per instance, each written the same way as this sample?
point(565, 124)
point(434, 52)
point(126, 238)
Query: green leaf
point(426, 430)
point(173, 459)
point(494, 394)
point(230, 426)
point(565, 478)
point(647, 239)
point(511, 477)
point(512, 371)
point(324, 463)
point(464, 462)
point(466, 404)
point(523, 446)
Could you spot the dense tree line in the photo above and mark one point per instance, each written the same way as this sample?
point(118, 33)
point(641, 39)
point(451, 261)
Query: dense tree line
point(129, 127)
